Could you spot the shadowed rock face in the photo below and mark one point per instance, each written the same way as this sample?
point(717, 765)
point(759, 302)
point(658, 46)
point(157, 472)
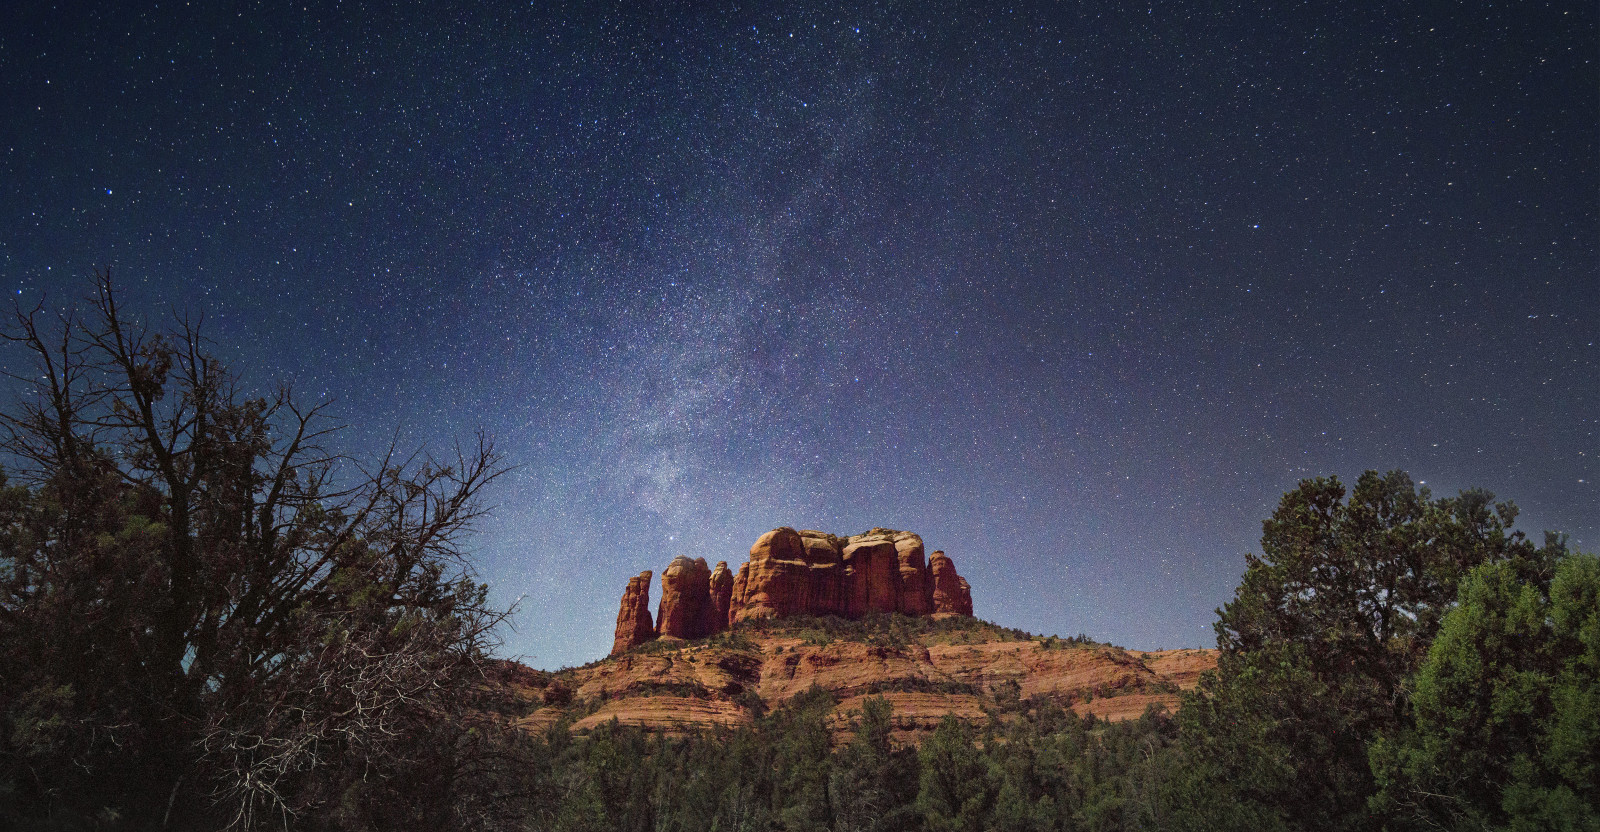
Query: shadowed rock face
point(633, 619)
point(825, 586)
point(872, 570)
point(951, 592)
point(721, 596)
point(796, 573)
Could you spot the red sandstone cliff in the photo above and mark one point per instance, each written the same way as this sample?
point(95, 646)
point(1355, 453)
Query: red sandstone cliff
point(955, 667)
point(721, 595)
point(951, 592)
point(633, 619)
point(685, 599)
point(793, 573)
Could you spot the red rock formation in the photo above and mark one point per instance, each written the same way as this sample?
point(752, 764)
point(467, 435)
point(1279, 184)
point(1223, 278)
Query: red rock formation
point(826, 595)
point(872, 573)
point(685, 599)
point(880, 570)
point(647, 690)
point(633, 619)
point(796, 572)
point(916, 588)
point(951, 594)
point(736, 598)
point(721, 596)
point(778, 581)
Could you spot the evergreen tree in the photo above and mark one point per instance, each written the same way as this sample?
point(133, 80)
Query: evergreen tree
point(872, 785)
point(1507, 706)
point(953, 794)
point(1326, 626)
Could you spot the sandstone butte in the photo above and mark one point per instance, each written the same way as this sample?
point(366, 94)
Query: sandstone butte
point(794, 573)
point(794, 601)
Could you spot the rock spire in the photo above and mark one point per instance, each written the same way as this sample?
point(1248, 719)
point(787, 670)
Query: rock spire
point(633, 620)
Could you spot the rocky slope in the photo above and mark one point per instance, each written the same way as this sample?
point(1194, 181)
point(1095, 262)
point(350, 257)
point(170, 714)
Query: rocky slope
point(795, 573)
point(925, 667)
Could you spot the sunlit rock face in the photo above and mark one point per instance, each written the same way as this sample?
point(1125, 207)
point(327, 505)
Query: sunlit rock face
point(777, 579)
point(796, 573)
point(916, 580)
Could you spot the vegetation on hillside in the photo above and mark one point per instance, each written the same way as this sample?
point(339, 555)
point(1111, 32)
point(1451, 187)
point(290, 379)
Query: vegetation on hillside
point(1048, 769)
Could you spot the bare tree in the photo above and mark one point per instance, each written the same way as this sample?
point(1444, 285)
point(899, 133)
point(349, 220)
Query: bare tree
point(208, 614)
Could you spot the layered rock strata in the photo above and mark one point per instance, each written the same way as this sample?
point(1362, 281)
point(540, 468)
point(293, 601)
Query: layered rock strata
point(793, 573)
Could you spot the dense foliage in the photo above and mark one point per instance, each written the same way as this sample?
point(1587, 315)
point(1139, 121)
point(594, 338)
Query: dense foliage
point(1507, 730)
point(1321, 644)
point(1038, 768)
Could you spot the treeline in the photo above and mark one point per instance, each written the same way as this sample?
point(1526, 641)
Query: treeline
point(210, 620)
point(1041, 767)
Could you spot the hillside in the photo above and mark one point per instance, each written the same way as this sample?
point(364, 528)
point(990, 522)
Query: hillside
point(925, 667)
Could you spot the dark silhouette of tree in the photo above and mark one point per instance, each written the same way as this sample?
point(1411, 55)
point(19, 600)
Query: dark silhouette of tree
point(1322, 632)
point(208, 617)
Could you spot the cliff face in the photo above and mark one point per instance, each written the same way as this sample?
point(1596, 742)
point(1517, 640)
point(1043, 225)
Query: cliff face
point(951, 593)
point(801, 572)
point(721, 597)
point(685, 600)
point(633, 620)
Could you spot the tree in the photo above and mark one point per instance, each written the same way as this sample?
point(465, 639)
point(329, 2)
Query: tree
point(1507, 732)
point(872, 785)
point(206, 616)
point(954, 793)
point(1322, 632)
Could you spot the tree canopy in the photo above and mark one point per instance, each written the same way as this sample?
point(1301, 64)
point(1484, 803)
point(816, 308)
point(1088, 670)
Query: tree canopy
point(1323, 632)
point(1507, 730)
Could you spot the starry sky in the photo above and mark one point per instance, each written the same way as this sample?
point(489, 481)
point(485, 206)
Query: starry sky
point(1076, 291)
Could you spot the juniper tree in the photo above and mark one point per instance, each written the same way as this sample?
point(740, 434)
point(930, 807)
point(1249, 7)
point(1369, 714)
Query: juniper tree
point(1327, 624)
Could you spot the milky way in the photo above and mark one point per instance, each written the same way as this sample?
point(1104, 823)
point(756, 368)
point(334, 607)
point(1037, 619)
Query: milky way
point(1076, 293)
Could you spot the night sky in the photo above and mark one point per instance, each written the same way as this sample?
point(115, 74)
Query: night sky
point(1074, 291)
